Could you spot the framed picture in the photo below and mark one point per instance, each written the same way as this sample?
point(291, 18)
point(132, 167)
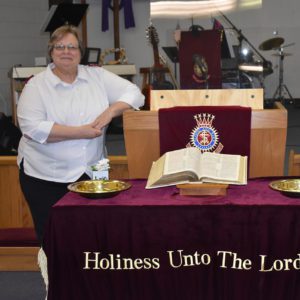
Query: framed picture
point(91, 56)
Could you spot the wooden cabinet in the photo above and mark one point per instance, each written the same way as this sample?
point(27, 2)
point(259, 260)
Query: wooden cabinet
point(14, 211)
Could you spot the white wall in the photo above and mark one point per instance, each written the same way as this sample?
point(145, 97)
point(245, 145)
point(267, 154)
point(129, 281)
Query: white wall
point(21, 40)
point(257, 25)
point(133, 39)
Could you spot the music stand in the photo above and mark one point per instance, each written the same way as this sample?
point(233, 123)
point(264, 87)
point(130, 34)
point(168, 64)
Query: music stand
point(61, 14)
point(172, 53)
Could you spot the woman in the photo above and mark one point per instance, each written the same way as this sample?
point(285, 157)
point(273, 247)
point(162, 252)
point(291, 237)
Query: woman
point(63, 113)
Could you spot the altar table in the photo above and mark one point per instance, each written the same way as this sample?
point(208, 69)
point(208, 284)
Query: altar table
point(158, 245)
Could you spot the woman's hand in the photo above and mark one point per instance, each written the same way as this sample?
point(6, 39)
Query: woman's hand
point(114, 110)
point(88, 131)
point(102, 120)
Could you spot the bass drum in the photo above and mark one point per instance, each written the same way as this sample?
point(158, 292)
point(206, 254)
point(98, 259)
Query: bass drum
point(241, 81)
point(250, 81)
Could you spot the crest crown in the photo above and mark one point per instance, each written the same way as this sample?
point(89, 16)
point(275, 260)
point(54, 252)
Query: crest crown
point(204, 119)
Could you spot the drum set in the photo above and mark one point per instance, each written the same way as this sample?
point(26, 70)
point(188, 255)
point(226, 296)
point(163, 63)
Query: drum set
point(253, 67)
point(276, 44)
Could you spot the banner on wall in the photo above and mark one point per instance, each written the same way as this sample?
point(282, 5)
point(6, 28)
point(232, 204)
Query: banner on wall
point(200, 59)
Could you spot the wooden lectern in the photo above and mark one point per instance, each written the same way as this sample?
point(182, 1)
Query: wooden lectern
point(267, 148)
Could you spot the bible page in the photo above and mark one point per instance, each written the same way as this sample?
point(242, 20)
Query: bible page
point(183, 160)
point(221, 167)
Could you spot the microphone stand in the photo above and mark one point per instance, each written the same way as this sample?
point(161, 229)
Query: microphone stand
point(241, 37)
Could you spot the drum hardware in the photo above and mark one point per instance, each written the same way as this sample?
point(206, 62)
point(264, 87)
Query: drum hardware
point(271, 44)
point(267, 68)
point(238, 79)
point(267, 65)
point(281, 88)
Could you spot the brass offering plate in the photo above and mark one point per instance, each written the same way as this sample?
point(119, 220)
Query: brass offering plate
point(289, 187)
point(98, 188)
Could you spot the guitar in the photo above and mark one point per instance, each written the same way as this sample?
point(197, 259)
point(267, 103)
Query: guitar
point(158, 70)
point(156, 73)
point(164, 62)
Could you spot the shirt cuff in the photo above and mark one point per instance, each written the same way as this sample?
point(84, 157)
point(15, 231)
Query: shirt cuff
point(41, 133)
point(135, 100)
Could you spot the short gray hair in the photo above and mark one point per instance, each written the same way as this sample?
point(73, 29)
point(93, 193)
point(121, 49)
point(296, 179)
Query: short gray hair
point(59, 33)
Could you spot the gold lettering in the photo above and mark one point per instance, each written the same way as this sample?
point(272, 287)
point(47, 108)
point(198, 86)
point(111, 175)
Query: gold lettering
point(172, 261)
point(224, 258)
point(88, 260)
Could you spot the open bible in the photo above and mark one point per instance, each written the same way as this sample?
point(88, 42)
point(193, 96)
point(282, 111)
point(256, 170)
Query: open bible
point(189, 165)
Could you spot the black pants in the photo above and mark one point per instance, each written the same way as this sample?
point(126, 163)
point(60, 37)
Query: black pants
point(41, 195)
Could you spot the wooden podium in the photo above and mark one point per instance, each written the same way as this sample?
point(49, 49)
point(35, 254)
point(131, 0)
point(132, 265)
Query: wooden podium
point(268, 141)
point(207, 97)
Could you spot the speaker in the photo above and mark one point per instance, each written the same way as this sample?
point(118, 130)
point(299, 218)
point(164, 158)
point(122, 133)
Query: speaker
point(64, 13)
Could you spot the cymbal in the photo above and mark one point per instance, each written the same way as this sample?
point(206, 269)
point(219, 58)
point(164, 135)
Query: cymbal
point(271, 43)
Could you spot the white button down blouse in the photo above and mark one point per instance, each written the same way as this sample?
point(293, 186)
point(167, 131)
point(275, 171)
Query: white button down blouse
point(46, 100)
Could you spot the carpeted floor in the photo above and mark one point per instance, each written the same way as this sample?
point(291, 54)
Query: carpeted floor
point(22, 286)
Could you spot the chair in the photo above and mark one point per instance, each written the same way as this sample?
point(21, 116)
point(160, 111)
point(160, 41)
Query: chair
point(294, 163)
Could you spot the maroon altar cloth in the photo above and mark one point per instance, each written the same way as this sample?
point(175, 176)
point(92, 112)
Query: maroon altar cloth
point(231, 128)
point(178, 244)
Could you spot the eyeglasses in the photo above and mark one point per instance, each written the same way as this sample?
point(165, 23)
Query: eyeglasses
point(61, 47)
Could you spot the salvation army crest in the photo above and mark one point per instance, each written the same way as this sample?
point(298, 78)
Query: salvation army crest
point(204, 136)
